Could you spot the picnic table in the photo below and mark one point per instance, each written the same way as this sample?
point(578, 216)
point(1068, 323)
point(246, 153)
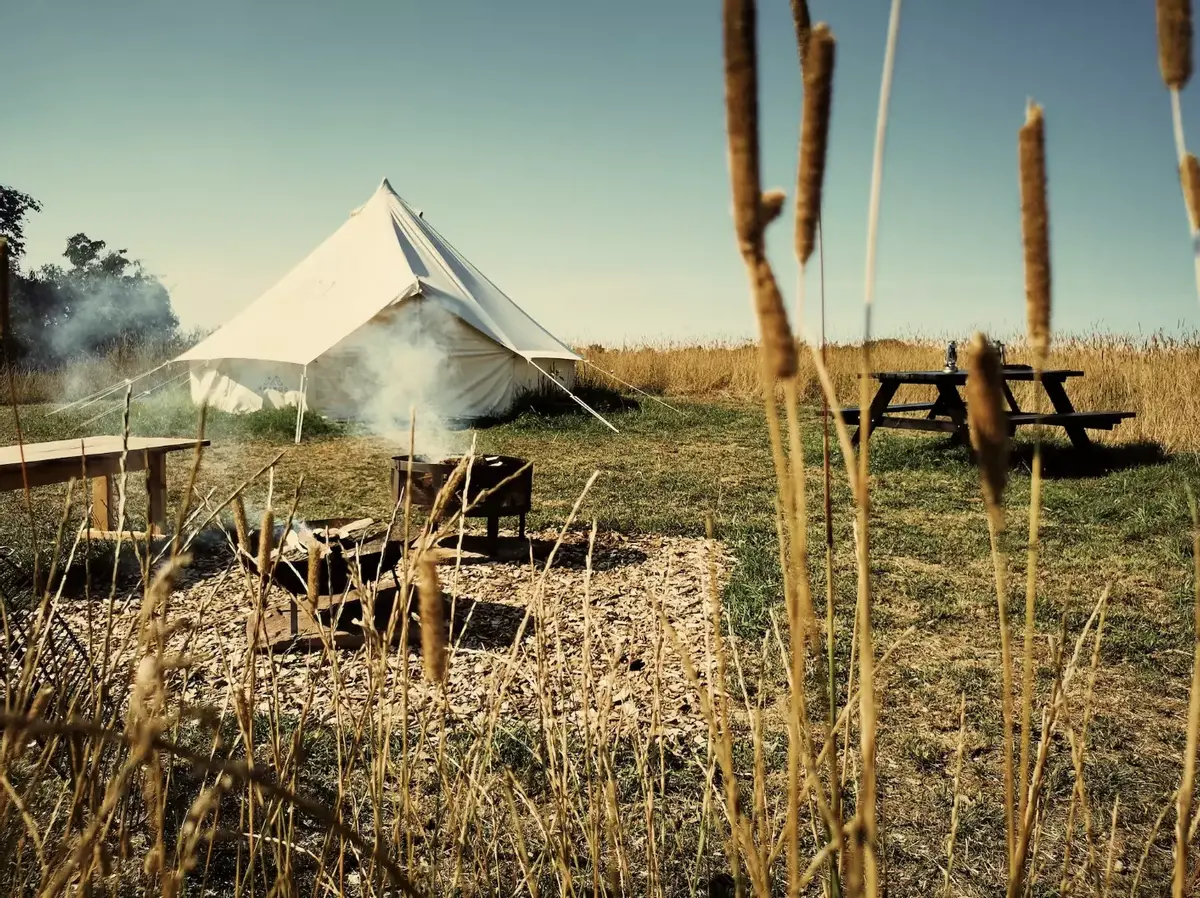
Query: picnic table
point(947, 413)
point(97, 459)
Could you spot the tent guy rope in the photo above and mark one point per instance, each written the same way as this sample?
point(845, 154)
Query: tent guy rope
point(595, 413)
point(631, 386)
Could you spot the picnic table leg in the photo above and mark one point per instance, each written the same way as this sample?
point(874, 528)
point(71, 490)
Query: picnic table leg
point(887, 389)
point(1062, 405)
point(156, 485)
point(951, 405)
point(102, 503)
point(1011, 399)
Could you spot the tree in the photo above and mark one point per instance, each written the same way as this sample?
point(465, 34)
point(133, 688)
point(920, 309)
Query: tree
point(103, 301)
point(14, 206)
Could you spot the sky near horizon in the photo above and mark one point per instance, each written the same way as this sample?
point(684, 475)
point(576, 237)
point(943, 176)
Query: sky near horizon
point(576, 153)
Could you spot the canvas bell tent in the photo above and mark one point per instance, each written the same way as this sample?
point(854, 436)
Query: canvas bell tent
point(384, 313)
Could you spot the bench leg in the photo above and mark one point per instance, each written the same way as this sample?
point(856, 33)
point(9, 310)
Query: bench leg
point(493, 532)
point(103, 506)
point(156, 485)
point(887, 389)
point(951, 405)
point(1062, 405)
point(521, 526)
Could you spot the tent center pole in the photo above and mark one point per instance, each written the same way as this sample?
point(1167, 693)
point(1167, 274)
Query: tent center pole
point(302, 403)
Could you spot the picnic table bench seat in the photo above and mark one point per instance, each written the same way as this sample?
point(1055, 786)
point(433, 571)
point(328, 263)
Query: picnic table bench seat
point(851, 413)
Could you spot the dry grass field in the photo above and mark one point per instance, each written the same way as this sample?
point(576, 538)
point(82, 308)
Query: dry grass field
point(1117, 521)
point(1157, 377)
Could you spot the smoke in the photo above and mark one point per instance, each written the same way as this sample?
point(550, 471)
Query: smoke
point(401, 368)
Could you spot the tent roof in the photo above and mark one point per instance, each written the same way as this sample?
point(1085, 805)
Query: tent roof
point(385, 253)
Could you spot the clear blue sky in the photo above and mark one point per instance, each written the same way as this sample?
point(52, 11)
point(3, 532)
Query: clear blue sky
point(575, 151)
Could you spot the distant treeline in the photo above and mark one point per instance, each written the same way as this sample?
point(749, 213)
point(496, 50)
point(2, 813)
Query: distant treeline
point(99, 303)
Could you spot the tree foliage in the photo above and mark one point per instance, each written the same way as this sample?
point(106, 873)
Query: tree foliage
point(100, 301)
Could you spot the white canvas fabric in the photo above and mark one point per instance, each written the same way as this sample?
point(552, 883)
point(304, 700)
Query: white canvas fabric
point(385, 284)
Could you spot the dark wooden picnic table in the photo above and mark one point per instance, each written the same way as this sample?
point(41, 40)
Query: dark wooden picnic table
point(947, 413)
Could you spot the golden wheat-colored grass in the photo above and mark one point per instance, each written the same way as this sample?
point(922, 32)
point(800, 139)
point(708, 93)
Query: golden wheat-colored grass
point(1155, 378)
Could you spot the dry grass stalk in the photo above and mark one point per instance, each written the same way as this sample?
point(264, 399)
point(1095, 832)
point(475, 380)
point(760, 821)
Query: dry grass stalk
point(433, 622)
point(741, 111)
point(1189, 179)
point(1174, 21)
point(241, 525)
point(987, 420)
point(814, 137)
point(958, 760)
point(1035, 229)
point(1188, 780)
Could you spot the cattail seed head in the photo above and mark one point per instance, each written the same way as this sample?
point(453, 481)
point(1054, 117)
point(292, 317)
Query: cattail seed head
point(1189, 178)
point(1035, 229)
point(1174, 19)
point(778, 344)
point(814, 137)
point(803, 22)
point(741, 121)
point(313, 582)
point(772, 205)
point(433, 624)
point(241, 525)
point(986, 417)
point(266, 540)
point(750, 212)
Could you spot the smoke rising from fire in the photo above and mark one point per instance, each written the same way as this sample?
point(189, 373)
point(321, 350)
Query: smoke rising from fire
point(401, 368)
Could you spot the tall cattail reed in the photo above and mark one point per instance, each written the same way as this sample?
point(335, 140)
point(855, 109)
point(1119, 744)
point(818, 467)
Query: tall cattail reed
point(433, 623)
point(741, 110)
point(989, 437)
point(986, 419)
point(1035, 230)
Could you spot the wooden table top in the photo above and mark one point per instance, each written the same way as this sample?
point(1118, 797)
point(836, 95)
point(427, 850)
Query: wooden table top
point(1010, 372)
point(92, 447)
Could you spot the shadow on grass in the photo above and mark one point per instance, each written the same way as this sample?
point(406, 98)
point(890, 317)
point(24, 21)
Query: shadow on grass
point(1065, 462)
point(1060, 460)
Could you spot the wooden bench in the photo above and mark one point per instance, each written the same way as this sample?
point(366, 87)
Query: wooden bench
point(851, 414)
point(1090, 420)
point(97, 459)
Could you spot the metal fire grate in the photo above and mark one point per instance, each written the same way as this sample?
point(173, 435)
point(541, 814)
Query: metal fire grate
point(508, 478)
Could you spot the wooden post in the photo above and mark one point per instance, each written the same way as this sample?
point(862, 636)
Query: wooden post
point(102, 503)
point(156, 484)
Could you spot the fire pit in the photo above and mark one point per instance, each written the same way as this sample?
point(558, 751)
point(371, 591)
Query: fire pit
point(508, 478)
point(344, 545)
